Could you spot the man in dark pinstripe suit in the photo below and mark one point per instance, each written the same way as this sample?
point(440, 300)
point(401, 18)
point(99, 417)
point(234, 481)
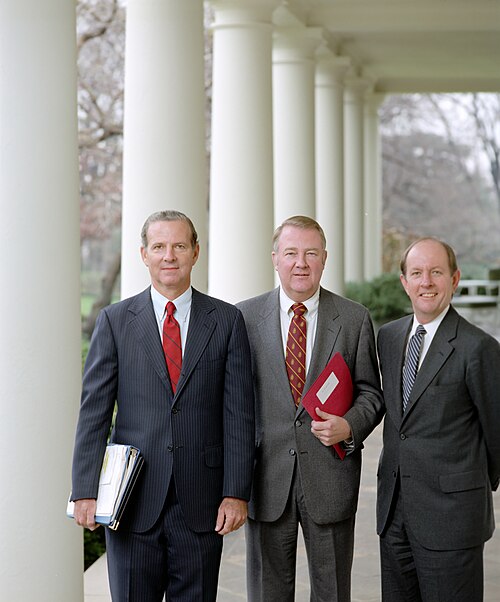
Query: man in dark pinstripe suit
point(198, 443)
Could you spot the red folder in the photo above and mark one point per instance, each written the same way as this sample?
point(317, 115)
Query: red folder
point(331, 392)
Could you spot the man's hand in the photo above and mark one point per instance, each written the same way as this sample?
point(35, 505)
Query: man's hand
point(232, 514)
point(332, 429)
point(85, 513)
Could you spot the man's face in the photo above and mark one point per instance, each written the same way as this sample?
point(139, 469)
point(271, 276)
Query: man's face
point(428, 280)
point(299, 261)
point(170, 257)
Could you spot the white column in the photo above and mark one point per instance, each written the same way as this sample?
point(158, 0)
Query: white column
point(241, 182)
point(373, 188)
point(41, 551)
point(164, 157)
point(330, 164)
point(354, 172)
point(293, 118)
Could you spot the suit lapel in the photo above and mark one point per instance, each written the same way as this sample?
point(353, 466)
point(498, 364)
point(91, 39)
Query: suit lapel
point(436, 356)
point(328, 328)
point(144, 324)
point(269, 329)
point(200, 330)
point(393, 370)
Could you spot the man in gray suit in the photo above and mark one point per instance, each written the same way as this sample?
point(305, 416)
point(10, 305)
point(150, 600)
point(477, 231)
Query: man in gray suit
point(441, 455)
point(298, 477)
point(195, 430)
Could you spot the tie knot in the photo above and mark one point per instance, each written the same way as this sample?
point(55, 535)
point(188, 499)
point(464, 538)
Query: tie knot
point(170, 308)
point(420, 331)
point(299, 309)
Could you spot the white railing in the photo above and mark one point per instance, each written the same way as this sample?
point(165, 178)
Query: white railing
point(477, 293)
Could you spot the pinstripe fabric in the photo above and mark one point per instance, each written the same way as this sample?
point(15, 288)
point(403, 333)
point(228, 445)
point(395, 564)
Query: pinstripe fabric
point(143, 567)
point(204, 434)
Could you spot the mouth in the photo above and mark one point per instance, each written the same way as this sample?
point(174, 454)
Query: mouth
point(428, 295)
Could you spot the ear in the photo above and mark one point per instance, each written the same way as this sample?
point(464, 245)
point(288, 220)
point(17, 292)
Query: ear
point(274, 257)
point(144, 256)
point(404, 282)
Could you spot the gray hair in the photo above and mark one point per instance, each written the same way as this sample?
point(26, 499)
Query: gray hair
point(168, 215)
point(299, 221)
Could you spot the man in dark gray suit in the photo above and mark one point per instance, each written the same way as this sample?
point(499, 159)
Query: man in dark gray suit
point(441, 455)
point(196, 435)
point(298, 476)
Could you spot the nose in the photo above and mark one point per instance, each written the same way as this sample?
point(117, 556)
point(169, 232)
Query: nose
point(301, 260)
point(426, 278)
point(169, 253)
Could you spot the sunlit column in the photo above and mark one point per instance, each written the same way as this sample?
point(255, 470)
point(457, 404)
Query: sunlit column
point(41, 551)
point(330, 164)
point(293, 118)
point(373, 188)
point(354, 173)
point(241, 180)
point(164, 157)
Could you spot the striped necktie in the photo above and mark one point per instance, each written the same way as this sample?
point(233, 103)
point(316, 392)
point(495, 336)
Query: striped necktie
point(411, 363)
point(296, 352)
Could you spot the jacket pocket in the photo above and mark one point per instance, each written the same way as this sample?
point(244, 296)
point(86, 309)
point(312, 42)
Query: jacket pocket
point(462, 481)
point(213, 456)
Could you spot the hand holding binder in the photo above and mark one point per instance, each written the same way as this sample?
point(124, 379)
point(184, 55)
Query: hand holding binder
point(331, 392)
point(119, 472)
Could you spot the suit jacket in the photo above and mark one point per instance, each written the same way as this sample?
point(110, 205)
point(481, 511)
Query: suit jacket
point(446, 446)
point(203, 435)
point(283, 433)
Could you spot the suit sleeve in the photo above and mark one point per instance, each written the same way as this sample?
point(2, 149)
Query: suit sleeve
point(483, 382)
point(239, 426)
point(96, 410)
point(368, 408)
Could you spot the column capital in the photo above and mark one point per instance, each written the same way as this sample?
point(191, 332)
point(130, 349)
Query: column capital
point(242, 12)
point(296, 44)
point(356, 87)
point(331, 69)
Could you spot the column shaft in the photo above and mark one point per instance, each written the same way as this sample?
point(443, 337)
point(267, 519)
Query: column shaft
point(41, 553)
point(330, 165)
point(373, 188)
point(354, 172)
point(241, 182)
point(164, 159)
point(293, 114)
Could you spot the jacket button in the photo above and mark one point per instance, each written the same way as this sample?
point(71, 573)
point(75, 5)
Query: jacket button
point(298, 423)
point(170, 448)
point(402, 436)
point(291, 452)
point(174, 411)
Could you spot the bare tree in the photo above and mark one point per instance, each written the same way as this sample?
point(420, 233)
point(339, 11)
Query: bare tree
point(101, 42)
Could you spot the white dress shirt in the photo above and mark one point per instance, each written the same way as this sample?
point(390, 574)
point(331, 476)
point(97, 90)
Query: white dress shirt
point(181, 314)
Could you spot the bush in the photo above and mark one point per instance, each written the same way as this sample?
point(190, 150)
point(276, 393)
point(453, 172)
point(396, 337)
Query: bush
point(383, 296)
point(94, 545)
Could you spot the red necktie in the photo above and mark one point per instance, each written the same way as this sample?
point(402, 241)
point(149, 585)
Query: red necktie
point(172, 345)
point(296, 351)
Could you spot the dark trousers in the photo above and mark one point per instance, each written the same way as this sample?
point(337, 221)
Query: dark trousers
point(168, 560)
point(412, 573)
point(272, 553)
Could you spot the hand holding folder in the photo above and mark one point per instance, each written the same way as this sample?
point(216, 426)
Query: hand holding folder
point(119, 472)
point(331, 392)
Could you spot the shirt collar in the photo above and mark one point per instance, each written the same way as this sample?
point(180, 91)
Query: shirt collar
point(432, 326)
point(182, 303)
point(286, 303)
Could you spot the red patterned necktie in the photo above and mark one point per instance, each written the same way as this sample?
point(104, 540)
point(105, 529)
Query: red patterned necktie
point(296, 351)
point(172, 345)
